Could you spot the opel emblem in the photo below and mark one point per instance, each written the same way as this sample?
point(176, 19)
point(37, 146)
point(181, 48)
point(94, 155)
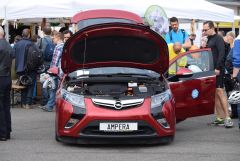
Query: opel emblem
point(118, 105)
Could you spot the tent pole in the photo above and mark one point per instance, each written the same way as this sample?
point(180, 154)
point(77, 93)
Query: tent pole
point(233, 27)
point(217, 26)
point(6, 29)
point(238, 28)
point(6, 26)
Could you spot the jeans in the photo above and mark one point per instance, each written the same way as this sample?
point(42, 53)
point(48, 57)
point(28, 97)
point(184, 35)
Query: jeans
point(5, 114)
point(52, 96)
point(45, 95)
point(238, 110)
point(27, 93)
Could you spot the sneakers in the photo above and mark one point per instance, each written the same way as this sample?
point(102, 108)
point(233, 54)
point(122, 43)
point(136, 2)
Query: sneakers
point(26, 106)
point(45, 108)
point(228, 123)
point(3, 139)
point(218, 122)
point(221, 122)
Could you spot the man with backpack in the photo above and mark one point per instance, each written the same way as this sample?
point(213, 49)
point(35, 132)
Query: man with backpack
point(22, 47)
point(177, 35)
point(46, 45)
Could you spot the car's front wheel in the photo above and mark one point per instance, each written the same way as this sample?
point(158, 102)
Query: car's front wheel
point(167, 140)
point(179, 120)
point(57, 138)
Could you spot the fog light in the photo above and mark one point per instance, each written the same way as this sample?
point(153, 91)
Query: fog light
point(71, 123)
point(163, 122)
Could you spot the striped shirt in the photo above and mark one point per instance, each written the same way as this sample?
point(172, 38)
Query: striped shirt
point(57, 55)
point(56, 59)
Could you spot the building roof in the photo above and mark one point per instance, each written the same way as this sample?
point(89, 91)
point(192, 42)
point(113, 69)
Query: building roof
point(226, 2)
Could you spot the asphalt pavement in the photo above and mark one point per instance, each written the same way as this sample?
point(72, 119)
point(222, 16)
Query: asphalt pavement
point(33, 140)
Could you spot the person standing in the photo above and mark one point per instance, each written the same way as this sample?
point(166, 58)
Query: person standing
point(236, 68)
point(192, 38)
point(67, 34)
point(46, 46)
point(203, 43)
point(177, 35)
point(56, 63)
point(6, 55)
point(230, 36)
point(216, 43)
point(20, 51)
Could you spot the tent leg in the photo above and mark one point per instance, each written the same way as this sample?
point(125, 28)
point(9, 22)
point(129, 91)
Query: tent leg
point(238, 28)
point(233, 27)
point(6, 29)
point(6, 26)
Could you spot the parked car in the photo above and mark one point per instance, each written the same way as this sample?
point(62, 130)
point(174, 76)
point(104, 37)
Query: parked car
point(116, 87)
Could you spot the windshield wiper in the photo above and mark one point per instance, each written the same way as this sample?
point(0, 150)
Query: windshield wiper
point(133, 75)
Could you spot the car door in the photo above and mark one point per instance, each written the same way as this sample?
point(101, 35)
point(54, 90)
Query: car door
point(193, 83)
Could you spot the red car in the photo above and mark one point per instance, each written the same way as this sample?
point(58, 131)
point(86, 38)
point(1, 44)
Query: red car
point(117, 88)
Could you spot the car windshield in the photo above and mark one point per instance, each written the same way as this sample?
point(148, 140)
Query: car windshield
point(88, 22)
point(113, 71)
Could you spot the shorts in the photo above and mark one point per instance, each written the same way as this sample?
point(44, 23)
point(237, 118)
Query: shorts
point(220, 81)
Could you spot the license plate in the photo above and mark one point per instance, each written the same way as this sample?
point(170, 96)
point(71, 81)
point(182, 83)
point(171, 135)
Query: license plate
point(118, 127)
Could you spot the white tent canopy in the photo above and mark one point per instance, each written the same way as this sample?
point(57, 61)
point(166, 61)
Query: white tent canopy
point(3, 4)
point(20, 9)
point(185, 9)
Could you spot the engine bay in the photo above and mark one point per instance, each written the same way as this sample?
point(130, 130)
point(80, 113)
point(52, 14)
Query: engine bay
point(115, 89)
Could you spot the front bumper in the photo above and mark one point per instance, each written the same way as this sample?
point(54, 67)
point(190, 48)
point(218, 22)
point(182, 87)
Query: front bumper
point(87, 130)
point(116, 140)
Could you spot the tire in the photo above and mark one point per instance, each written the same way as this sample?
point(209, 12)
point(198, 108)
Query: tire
point(56, 138)
point(179, 120)
point(170, 140)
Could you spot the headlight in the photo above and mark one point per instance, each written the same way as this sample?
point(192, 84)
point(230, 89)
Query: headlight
point(159, 99)
point(157, 105)
point(74, 99)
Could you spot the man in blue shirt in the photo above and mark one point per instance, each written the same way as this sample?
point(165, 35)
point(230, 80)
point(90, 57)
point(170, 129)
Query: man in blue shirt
point(177, 35)
point(236, 73)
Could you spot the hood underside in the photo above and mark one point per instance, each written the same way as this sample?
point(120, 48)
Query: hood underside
point(115, 45)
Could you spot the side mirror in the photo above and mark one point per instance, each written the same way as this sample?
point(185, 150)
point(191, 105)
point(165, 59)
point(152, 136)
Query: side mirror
point(184, 74)
point(184, 71)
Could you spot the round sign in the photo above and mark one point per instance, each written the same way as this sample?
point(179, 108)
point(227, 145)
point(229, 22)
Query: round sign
point(195, 93)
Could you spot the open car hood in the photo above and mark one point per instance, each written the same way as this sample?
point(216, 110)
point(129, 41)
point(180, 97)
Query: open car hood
point(115, 45)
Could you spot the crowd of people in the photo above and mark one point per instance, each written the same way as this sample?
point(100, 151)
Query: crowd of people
point(226, 59)
point(51, 45)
